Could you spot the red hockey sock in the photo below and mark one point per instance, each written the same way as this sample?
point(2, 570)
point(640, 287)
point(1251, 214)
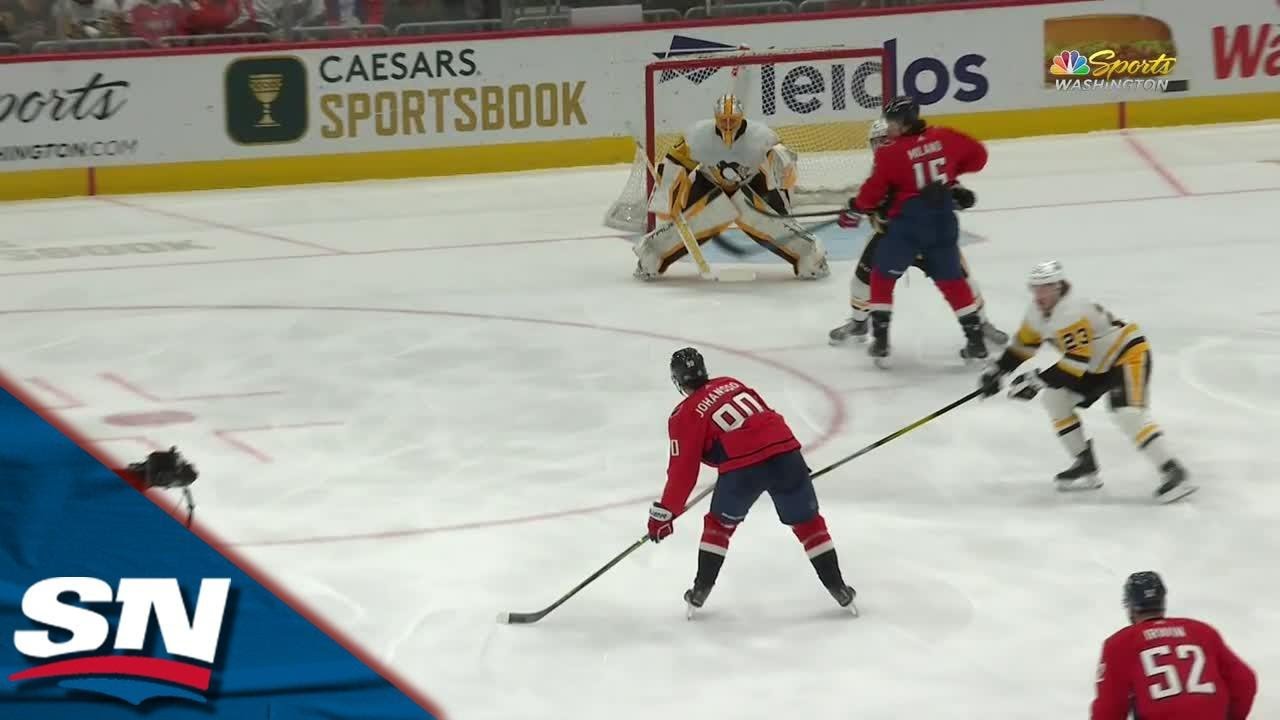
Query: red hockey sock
point(959, 295)
point(715, 535)
point(881, 291)
point(813, 535)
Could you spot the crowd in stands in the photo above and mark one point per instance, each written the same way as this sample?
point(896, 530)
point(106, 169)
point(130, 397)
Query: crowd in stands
point(71, 25)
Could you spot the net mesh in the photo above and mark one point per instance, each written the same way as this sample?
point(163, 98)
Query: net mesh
point(820, 103)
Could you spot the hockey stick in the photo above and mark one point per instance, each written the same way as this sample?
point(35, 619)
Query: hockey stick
point(518, 618)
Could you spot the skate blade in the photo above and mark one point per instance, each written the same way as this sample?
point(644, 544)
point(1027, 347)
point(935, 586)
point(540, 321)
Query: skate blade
point(883, 363)
point(689, 611)
point(852, 607)
point(1177, 493)
point(1079, 485)
point(847, 339)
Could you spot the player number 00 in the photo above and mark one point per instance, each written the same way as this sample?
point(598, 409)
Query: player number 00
point(734, 413)
point(1172, 684)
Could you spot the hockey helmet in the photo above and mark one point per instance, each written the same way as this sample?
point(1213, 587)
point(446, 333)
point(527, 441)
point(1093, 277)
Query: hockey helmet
point(729, 118)
point(688, 369)
point(1047, 273)
point(1144, 592)
point(878, 133)
point(904, 111)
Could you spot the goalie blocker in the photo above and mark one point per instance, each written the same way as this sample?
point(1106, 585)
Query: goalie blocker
point(726, 172)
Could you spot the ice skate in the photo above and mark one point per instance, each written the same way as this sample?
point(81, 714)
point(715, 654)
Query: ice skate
point(879, 350)
point(1082, 475)
point(975, 347)
point(1174, 485)
point(993, 334)
point(844, 596)
point(851, 330)
point(694, 598)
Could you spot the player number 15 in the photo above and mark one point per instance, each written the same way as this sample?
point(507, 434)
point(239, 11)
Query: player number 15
point(930, 171)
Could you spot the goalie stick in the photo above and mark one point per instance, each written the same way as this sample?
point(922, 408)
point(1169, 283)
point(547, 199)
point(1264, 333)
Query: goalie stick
point(527, 618)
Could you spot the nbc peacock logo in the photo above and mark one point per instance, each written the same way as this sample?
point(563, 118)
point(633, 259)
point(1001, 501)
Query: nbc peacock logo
point(1069, 62)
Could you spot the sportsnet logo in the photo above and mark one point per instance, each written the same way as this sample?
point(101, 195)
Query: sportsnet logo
point(131, 670)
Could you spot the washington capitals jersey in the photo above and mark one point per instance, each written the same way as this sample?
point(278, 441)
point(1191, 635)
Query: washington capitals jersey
point(904, 166)
point(1172, 669)
point(726, 425)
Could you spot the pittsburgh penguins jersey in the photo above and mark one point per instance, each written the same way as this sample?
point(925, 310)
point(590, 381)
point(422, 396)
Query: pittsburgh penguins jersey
point(1092, 340)
point(702, 146)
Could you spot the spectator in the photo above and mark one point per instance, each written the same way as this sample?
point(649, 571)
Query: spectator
point(208, 17)
point(26, 22)
point(152, 20)
point(91, 19)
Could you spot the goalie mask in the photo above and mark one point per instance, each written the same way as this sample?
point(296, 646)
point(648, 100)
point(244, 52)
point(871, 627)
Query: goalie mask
point(729, 118)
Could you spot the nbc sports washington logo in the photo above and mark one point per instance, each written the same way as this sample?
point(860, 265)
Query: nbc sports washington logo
point(75, 646)
point(265, 100)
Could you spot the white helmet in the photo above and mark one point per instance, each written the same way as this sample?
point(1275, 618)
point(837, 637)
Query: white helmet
point(1047, 273)
point(878, 133)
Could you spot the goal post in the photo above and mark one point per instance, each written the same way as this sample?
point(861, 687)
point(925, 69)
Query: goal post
point(820, 102)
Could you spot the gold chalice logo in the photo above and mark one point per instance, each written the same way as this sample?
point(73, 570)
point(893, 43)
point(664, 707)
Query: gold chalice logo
point(266, 88)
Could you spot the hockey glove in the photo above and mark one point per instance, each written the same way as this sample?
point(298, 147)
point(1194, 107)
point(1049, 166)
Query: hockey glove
point(963, 197)
point(849, 219)
point(989, 381)
point(1026, 386)
point(662, 522)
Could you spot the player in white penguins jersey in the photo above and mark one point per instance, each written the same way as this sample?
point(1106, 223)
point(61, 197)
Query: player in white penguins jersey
point(726, 171)
point(1101, 355)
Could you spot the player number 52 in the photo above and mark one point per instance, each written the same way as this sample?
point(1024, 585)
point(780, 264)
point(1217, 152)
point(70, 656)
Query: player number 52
point(930, 171)
point(1172, 684)
point(733, 414)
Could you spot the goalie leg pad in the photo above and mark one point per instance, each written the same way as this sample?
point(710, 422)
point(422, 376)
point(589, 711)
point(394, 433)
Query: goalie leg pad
point(1061, 405)
point(782, 236)
point(706, 217)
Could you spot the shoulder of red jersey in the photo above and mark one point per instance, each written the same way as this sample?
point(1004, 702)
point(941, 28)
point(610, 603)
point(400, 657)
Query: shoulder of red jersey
point(695, 398)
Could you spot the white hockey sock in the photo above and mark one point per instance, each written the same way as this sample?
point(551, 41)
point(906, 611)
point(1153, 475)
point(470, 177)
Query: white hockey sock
point(1061, 405)
point(1144, 433)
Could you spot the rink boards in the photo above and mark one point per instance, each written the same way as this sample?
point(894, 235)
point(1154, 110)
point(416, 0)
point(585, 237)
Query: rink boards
point(335, 112)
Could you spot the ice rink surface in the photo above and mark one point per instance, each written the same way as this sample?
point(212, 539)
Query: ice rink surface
point(420, 403)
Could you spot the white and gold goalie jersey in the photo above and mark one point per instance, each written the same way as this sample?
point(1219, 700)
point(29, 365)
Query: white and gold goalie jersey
point(703, 147)
point(1092, 342)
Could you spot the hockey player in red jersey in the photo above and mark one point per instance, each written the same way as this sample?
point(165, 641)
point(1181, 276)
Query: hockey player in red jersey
point(725, 424)
point(1163, 668)
point(916, 171)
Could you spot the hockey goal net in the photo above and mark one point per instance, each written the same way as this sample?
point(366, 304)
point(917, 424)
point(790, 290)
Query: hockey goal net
point(819, 101)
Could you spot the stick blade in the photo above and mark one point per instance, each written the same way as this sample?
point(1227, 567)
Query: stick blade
point(516, 618)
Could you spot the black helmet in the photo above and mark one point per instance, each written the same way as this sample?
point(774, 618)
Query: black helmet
point(688, 369)
point(903, 110)
point(1144, 592)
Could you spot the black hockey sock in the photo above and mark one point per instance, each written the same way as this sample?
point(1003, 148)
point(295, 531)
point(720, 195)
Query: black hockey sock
point(880, 324)
point(828, 567)
point(709, 565)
